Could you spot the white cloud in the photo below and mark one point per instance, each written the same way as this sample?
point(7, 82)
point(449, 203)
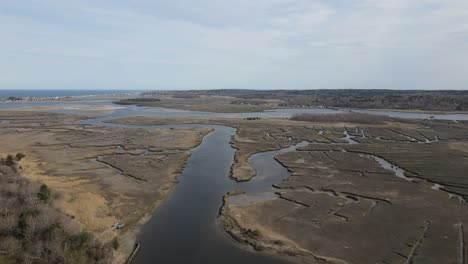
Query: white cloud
point(234, 44)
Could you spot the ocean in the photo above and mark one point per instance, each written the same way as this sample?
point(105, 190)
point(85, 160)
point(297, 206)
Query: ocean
point(52, 93)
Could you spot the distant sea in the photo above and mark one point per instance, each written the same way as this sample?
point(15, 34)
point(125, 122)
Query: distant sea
point(52, 93)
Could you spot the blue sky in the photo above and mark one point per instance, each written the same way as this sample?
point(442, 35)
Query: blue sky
point(255, 44)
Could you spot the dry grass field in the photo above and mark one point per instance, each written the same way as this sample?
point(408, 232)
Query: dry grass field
point(101, 176)
point(397, 196)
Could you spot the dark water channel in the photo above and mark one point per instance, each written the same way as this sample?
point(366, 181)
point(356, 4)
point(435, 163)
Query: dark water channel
point(183, 229)
point(268, 173)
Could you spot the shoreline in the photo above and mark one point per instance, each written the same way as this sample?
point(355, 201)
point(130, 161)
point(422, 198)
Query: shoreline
point(64, 98)
point(137, 229)
point(254, 239)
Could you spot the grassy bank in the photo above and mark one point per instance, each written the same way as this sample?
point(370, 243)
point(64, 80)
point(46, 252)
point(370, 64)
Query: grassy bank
point(32, 231)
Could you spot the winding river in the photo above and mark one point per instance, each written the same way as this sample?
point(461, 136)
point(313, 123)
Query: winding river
point(183, 228)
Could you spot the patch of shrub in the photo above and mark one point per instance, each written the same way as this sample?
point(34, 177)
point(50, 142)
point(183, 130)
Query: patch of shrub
point(83, 238)
point(20, 156)
point(9, 161)
point(255, 232)
point(44, 193)
point(115, 243)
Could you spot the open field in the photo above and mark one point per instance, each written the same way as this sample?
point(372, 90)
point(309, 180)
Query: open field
point(102, 176)
point(385, 191)
point(340, 205)
point(397, 196)
point(262, 135)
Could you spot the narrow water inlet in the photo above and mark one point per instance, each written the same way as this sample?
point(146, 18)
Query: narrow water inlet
point(183, 228)
point(399, 172)
point(268, 173)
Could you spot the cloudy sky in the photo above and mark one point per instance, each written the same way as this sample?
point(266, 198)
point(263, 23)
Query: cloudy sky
point(257, 44)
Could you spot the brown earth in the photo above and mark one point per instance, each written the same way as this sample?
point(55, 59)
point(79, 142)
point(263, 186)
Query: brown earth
point(101, 176)
point(340, 205)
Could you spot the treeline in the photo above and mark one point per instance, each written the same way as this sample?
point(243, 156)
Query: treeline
point(375, 99)
point(33, 232)
point(351, 98)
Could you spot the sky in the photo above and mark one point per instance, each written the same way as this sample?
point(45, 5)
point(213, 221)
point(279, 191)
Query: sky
point(245, 44)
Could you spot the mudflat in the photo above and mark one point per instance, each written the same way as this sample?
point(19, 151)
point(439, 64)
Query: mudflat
point(398, 196)
point(357, 193)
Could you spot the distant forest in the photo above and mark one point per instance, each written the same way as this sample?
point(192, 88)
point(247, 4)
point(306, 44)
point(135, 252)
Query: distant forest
point(449, 100)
